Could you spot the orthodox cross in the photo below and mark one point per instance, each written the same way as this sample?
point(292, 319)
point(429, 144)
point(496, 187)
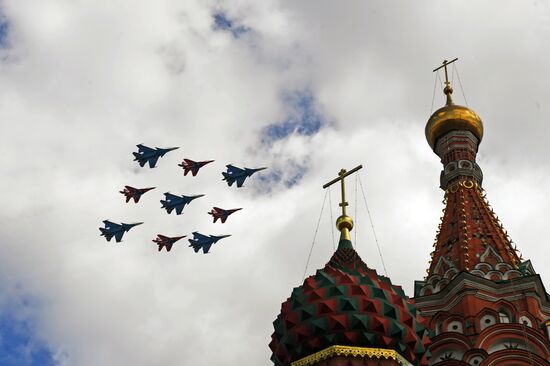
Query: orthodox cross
point(341, 175)
point(445, 63)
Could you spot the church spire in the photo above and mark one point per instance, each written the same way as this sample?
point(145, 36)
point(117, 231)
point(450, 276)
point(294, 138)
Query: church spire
point(470, 237)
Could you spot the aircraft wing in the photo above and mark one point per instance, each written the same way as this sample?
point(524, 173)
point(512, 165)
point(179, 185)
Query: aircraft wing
point(206, 248)
point(240, 181)
point(179, 208)
point(111, 225)
point(170, 196)
point(144, 149)
point(233, 169)
point(162, 237)
point(118, 236)
point(168, 247)
point(223, 218)
point(198, 236)
point(153, 161)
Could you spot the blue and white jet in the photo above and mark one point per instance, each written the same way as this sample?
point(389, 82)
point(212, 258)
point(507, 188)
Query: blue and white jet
point(148, 154)
point(234, 174)
point(172, 202)
point(204, 242)
point(117, 230)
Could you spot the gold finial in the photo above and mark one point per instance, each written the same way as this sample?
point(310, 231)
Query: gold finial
point(448, 90)
point(344, 223)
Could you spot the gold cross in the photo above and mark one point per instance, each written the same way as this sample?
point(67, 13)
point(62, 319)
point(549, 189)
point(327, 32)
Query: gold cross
point(341, 175)
point(445, 63)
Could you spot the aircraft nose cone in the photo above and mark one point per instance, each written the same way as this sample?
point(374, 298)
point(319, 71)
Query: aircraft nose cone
point(137, 223)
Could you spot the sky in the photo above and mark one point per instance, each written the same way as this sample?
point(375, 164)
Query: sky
point(305, 88)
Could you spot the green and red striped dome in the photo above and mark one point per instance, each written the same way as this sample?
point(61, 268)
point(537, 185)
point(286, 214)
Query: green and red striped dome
point(346, 303)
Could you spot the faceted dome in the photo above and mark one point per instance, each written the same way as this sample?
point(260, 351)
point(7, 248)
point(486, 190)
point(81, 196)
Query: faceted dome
point(452, 117)
point(346, 303)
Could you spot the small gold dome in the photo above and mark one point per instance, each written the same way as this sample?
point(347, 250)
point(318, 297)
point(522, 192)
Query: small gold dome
point(452, 117)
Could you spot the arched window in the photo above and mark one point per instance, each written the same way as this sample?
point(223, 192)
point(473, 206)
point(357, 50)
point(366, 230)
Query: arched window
point(503, 317)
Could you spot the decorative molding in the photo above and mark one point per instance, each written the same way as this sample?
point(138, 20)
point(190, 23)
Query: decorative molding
point(465, 284)
point(364, 352)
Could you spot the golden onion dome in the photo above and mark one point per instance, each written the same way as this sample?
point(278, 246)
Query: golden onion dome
point(452, 117)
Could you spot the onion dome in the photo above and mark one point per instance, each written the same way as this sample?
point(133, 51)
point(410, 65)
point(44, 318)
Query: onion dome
point(347, 304)
point(452, 117)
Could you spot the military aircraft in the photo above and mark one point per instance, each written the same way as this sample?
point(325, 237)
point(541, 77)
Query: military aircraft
point(204, 242)
point(172, 202)
point(166, 242)
point(147, 154)
point(135, 193)
point(193, 166)
point(220, 213)
point(117, 230)
point(237, 174)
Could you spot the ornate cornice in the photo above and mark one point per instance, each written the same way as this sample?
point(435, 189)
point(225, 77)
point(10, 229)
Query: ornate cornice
point(364, 352)
point(465, 284)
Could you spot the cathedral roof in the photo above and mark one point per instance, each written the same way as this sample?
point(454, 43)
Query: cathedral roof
point(346, 303)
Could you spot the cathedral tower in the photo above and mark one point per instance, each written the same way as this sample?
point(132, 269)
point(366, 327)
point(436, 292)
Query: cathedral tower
point(485, 306)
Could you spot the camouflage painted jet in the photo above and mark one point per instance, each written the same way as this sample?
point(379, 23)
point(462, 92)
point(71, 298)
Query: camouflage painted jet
point(204, 242)
point(117, 230)
point(220, 213)
point(193, 166)
point(135, 193)
point(166, 242)
point(147, 154)
point(172, 202)
point(237, 174)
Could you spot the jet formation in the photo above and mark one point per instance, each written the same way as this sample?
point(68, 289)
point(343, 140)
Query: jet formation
point(135, 193)
point(150, 155)
point(171, 202)
point(204, 242)
point(117, 230)
point(193, 166)
point(166, 242)
point(220, 213)
point(234, 174)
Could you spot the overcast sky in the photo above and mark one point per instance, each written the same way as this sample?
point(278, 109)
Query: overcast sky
point(303, 87)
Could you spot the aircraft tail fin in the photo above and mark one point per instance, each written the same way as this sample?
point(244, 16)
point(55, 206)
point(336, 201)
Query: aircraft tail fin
point(227, 177)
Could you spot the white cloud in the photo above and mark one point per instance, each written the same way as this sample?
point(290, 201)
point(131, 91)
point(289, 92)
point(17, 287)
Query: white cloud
point(86, 82)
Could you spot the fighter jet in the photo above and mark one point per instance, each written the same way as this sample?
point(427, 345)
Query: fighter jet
point(237, 174)
point(117, 230)
point(176, 202)
point(204, 242)
point(135, 193)
point(147, 154)
point(166, 242)
point(220, 213)
point(193, 166)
